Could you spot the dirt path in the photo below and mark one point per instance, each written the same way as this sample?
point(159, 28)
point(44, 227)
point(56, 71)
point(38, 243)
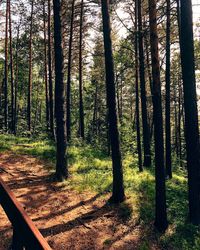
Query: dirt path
point(66, 218)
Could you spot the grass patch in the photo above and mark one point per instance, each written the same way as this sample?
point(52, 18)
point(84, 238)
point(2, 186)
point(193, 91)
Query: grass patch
point(41, 148)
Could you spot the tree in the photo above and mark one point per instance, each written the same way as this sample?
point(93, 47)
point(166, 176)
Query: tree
point(51, 113)
point(16, 77)
point(68, 102)
point(11, 70)
point(137, 92)
point(45, 67)
point(61, 161)
point(6, 70)
point(30, 69)
point(81, 111)
point(145, 125)
point(191, 113)
point(160, 199)
point(118, 187)
point(167, 97)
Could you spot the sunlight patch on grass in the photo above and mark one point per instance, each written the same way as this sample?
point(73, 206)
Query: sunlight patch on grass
point(42, 148)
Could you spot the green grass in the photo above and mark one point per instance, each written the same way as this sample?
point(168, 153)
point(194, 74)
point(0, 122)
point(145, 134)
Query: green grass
point(91, 170)
point(42, 148)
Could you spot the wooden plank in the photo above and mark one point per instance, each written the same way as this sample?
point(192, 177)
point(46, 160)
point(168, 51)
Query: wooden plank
point(21, 222)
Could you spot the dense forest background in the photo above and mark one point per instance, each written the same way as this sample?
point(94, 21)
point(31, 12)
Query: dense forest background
point(123, 30)
point(132, 94)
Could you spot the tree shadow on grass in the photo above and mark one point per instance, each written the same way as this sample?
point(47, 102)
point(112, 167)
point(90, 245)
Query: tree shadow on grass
point(181, 234)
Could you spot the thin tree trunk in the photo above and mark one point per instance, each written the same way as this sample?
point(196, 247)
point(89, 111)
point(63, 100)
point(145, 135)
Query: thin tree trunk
point(6, 71)
point(118, 101)
point(175, 121)
point(137, 93)
point(68, 101)
point(16, 80)
point(161, 222)
point(151, 88)
point(94, 120)
point(148, 65)
point(167, 97)
point(30, 70)
point(11, 70)
point(45, 68)
point(145, 125)
point(179, 126)
point(81, 110)
point(61, 161)
point(118, 187)
point(121, 100)
point(51, 111)
point(191, 112)
point(34, 122)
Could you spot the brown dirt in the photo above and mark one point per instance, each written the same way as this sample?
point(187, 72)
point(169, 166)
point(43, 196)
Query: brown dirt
point(66, 218)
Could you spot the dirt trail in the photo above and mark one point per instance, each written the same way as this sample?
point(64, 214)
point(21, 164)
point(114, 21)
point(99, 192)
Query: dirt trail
point(66, 218)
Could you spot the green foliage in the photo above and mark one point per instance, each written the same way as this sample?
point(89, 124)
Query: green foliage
point(144, 246)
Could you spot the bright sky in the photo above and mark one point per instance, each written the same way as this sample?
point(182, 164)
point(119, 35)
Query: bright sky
point(124, 16)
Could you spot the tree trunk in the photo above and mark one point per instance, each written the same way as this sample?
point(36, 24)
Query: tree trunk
point(51, 111)
point(145, 125)
point(167, 97)
point(68, 101)
point(81, 110)
point(94, 120)
point(137, 93)
point(179, 124)
point(6, 71)
point(176, 123)
point(160, 202)
point(191, 112)
point(11, 71)
point(16, 80)
point(30, 70)
point(61, 161)
point(45, 68)
point(118, 187)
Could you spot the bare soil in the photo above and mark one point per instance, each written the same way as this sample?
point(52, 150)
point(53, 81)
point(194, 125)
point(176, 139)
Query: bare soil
point(66, 218)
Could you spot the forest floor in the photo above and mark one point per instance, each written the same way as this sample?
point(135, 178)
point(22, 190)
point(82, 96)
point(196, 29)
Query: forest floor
point(75, 214)
point(67, 219)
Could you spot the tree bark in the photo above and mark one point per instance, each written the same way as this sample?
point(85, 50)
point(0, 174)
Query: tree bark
point(11, 71)
point(118, 187)
point(30, 70)
point(137, 92)
point(68, 101)
point(51, 102)
point(6, 70)
point(167, 96)
point(45, 68)
point(145, 125)
point(191, 112)
point(81, 110)
point(161, 222)
point(16, 80)
point(61, 161)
